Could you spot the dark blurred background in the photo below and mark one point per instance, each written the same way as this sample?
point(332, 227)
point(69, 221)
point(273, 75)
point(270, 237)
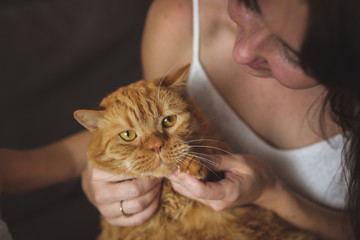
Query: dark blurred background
point(57, 56)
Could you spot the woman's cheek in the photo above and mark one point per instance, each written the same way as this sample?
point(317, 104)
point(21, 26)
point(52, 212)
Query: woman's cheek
point(291, 76)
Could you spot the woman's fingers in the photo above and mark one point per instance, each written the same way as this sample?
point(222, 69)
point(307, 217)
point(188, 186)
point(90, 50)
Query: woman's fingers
point(225, 162)
point(104, 187)
point(137, 218)
point(192, 187)
point(139, 198)
point(131, 206)
point(245, 180)
point(109, 192)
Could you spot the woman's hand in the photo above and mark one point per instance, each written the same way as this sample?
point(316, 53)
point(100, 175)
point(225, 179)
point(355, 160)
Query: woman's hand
point(250, 180)
point(139, 199)
point(246, 179)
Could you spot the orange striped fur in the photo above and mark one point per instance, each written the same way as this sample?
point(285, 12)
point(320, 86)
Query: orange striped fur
point(151, 128)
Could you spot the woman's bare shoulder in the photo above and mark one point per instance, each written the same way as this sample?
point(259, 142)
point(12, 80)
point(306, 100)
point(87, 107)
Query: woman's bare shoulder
point(167, 38)
point(172, 11)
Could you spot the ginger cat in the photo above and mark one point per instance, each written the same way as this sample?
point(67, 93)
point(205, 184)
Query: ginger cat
point(149, 129)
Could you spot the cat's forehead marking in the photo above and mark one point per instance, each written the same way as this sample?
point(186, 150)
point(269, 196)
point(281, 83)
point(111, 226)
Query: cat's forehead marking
point(144, 103)
point(133, 105)
point(128, 121)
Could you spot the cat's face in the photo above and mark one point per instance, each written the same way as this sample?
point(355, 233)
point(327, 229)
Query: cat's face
point(142, 129)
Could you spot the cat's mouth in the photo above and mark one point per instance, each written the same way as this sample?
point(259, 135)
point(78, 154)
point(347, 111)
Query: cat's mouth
point(163, 168)
point(161, 164)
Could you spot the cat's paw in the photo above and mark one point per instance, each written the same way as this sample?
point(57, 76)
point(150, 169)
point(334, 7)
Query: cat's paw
point(193, 166)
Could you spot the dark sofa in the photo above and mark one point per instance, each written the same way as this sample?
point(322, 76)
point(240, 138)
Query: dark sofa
point(57, 56)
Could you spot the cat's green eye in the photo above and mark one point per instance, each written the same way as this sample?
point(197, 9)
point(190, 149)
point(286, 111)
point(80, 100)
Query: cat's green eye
point(128, 135)
point(169, 121)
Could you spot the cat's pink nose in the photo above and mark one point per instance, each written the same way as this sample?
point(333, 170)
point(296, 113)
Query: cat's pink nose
point(154, 144)
point(157, 148)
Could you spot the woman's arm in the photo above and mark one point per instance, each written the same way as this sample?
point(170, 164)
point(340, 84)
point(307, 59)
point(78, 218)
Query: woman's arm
point(22, 171)
point(329, 223)
point(250, 180)
point(167, 38)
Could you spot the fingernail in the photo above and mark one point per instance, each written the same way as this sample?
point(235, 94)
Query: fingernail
point(177, 171)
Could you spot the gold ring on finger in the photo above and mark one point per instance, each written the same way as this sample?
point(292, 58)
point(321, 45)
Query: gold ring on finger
point(122, 210)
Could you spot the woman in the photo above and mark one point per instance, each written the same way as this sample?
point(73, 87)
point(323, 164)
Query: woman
point(264, 103)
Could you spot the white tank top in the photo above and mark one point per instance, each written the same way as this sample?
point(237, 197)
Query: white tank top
point(313, 171)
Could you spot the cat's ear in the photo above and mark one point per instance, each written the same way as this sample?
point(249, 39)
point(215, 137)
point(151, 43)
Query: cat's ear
point(89, 118)
point(178, 79)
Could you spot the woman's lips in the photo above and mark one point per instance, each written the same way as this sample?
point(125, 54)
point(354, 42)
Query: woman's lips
point(258, 67)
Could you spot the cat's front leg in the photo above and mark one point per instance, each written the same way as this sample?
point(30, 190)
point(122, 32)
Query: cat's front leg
point(193, 166)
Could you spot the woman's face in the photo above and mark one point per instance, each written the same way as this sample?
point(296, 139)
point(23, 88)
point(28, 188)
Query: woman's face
point(270, 34)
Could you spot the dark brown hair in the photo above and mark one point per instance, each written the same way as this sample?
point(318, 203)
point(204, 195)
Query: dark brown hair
point(331, 54)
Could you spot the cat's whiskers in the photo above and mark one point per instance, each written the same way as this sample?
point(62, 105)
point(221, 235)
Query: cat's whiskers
point(186, 149)
point(206, 158)
point(128, 172)
point(162, 80)
point(117, 166)
point(203, 140)
point(196, 159)
point(212, 147)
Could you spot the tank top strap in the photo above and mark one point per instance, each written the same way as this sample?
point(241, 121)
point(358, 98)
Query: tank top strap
point(196, 31)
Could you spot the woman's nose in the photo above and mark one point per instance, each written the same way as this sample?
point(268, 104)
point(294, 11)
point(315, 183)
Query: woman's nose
point(250, 44)
point(252, 36)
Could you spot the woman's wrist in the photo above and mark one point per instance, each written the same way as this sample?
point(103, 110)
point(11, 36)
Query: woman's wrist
point(302, 213)
point(289, 205)
point(286, 204)
point(76, 145)
point(272, 195)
